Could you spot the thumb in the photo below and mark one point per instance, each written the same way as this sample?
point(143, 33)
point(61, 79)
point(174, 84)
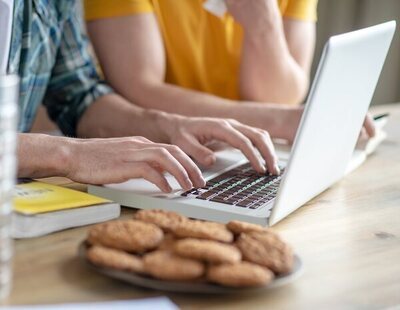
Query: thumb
point(201, 154)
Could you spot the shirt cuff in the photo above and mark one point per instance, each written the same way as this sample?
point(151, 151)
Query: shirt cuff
point(68, 121)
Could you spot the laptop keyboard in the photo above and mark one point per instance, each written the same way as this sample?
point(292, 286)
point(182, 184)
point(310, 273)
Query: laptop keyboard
point(241, 187)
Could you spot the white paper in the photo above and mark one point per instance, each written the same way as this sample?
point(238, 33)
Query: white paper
point(6, 18)
point(159, 303)
point(216, 7)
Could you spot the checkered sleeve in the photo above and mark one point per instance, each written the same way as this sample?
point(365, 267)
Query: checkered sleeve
point(75, 83)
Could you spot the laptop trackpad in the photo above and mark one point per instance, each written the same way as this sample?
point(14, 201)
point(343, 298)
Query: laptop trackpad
point(226, 159)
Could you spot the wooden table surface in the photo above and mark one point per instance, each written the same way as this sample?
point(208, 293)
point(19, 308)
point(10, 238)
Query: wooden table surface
point(348, 239)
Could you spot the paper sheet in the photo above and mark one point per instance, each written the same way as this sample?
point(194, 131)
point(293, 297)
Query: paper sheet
point(159, 303)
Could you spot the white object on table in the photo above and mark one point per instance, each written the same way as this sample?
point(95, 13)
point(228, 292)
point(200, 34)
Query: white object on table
point(9, 91)
point(6, 18)
point(159, 303)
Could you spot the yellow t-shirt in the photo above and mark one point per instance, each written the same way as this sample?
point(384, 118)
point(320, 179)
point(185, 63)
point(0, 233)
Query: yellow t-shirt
point(203, 51)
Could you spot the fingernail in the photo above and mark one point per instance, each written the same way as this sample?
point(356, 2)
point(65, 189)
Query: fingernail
point(189, 184)
point(202, 182)
point(277, 170)
point(210, 159)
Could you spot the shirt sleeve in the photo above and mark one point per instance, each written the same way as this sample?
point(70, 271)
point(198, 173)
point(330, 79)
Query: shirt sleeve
point(75, 83)
point(98, 9)
point(302, 9)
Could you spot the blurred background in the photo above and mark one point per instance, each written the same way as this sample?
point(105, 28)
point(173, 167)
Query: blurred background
point(334, 17)
point(338, 16)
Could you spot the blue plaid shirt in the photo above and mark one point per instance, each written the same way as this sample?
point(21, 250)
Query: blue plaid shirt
point(49, 51)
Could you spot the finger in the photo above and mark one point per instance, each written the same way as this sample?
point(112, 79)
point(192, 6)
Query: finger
point(160, 156)
point(226, 133)
point(200, 153)
point(263, 143)
point(142, 139)
point(369, 126)
point(191, 168)
point(363, 135)
point(147, 172)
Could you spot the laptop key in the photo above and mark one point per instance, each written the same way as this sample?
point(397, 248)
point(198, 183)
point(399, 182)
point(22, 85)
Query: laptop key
point(220, 200)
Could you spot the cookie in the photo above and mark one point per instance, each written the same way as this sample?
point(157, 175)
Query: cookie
point(165, 265)
point(238, 227)
point(168, 242)
point(115, 259)
point(207, 250)
point(167, 220)
point(131, 235)
point(241, 274)
point(203, 230)
point(266, 249)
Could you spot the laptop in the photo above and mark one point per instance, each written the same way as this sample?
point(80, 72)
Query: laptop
point(322, 151)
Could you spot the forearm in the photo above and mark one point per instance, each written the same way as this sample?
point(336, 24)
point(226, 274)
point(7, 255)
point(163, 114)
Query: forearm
point(170, 98)
point(268, 70)
point(113, 116)
point(269, 73)
point(173, 99)
point(43, 155)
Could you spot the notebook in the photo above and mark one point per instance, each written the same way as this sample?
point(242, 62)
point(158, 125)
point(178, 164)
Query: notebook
point(42, 208)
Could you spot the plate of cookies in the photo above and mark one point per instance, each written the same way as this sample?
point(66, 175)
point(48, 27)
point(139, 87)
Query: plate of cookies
point(166, 251)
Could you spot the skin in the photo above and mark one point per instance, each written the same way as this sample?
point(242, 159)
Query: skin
point(275, 67)
point(115, 152)
point(130, 142)
point(131, 52)
point(277, 52)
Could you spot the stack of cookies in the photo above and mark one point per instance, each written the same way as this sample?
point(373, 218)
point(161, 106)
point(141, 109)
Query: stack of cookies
point(168, 246)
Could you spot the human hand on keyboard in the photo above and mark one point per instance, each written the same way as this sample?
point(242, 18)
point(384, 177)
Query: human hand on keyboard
point(192, 134)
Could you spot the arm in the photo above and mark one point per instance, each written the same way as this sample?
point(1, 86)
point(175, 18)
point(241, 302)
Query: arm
point(81, 105)
point(277, 53)
point(131, 52)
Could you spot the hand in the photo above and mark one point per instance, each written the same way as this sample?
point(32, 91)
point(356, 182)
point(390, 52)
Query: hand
point(368, 130)
point(114, 160)
point(191, 135)
point(281, 121)
point(253, 14)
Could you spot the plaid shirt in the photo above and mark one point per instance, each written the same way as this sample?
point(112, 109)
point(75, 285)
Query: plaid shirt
point(49, 51)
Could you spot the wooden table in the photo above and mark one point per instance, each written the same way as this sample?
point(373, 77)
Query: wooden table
point(348, 239)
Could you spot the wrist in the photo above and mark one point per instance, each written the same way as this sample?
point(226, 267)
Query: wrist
point(162, 125)
point(263, 29)
point(64, 156)
point(43, 156)
point(289, 123)
point(267, 20)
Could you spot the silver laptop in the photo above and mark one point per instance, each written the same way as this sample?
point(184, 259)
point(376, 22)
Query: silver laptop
point(336, 107)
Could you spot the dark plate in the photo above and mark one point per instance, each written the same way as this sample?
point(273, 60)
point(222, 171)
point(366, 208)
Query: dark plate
point(187, 287)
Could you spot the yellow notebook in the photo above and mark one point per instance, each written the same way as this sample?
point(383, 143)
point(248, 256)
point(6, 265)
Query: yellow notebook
point(37, 197)
point(41, 208)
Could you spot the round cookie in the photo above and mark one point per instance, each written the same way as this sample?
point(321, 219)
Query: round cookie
point(168, 243)
point(167, 220)
point(203, 230)
point(165, 265)
point(241, 274)
point(266, 249)
point(238, 227)
point(131, 236)
point(207, 250)
point(115, 259)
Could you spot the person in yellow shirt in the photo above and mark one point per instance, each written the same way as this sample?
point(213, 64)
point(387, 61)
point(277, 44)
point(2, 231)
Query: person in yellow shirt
point(175, 56)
